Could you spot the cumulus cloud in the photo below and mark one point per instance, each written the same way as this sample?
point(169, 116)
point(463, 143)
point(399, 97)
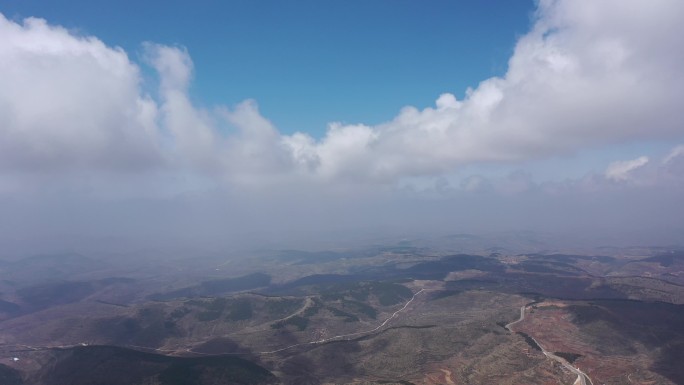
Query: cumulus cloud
point(587, 74)
point(70, 102)
point(190, 132)
point(85, 148)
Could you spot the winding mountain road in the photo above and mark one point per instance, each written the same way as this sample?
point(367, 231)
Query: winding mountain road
point(582, 377)
point(342, 337)
point(522, 317)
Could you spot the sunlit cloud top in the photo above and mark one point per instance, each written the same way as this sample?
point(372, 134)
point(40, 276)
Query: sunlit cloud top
point(587, 75)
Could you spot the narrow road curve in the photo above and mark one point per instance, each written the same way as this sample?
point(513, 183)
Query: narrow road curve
point(189, 350)
point(346, 336)
point(522, 317)
point(307, 304)
point(582, 377)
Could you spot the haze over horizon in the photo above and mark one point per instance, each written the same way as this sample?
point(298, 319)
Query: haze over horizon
point(573, 127)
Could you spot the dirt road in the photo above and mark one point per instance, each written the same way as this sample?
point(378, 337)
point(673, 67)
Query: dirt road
point(582, 377)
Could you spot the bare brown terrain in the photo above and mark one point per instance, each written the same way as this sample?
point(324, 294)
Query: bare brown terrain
point(369, 317)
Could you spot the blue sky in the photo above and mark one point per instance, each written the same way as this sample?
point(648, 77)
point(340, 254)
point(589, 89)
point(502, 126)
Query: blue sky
point(280, 122)
point(308, 63)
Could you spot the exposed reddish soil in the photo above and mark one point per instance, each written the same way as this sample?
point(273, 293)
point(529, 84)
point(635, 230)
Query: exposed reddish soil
point(550, 323)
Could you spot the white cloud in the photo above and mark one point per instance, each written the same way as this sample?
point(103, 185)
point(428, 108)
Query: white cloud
point(192, 138)
point(587, 74)
point(256, 149)
point(70, 102)
point(674, 154)
point(173, 64)
point(620, 171)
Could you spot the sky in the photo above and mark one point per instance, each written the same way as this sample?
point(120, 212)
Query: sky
point(279, 124)
point(368, 58)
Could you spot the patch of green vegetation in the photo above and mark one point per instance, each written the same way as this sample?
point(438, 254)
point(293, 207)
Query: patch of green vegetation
point(530, 341)
point(137, 330)
point(151, 313)
point(570, 357)
point(120, 366)
point(206, 316)
point(179, 313)
point(339, 313)
point(234, 284)
point(282, 306)
point(179, 375)
point(214, 309)
point(56, 293)
point(217, 304)
point(358, 291)
point(9, 376)
point(153, 325)
point(240, 309)
point(444, 294)
point(216, 287)
point(549, 267)
point(313, 309)
point(387, 293)
point(8, 307)
point(667, 259)
point(127, 325)
point(360, 307)
point(390, 293)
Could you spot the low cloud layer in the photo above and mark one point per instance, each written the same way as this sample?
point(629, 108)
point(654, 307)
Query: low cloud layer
point(588, 74)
